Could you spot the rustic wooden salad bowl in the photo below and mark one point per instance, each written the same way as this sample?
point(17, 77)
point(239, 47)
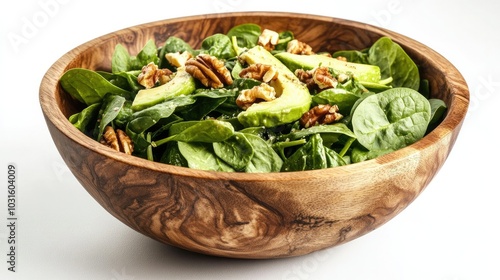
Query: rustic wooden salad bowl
point(253, 216)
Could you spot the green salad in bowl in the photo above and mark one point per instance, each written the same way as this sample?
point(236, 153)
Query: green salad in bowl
point(254, 100)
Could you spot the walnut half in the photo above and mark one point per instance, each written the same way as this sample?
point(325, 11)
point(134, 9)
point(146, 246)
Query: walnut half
point(262, 92)
point(117, 140)
point(150, 75)
point(209, 70)
point(320, 114)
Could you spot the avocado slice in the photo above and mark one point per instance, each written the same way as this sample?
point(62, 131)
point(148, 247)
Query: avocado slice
point(366, 74)
point(182, 84)
point(293, 98)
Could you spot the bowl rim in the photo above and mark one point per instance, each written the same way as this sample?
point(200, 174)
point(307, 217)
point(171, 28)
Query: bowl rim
point(52, 112)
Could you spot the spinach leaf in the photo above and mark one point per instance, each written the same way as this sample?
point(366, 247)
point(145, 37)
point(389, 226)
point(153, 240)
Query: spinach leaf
point(265, 159)
point(125, 114)
point(111, 106)
point(206, 131)
point(336, 129)
point(85, 117)
point(353, 55)
point(333, 159)
point(391, 119)
point(312, 155)
point(247, 34)
point(218, 45)
point(344, 99)
point(201, 156)
point(206, 102)
point(394, 62)
point(122, 61)
point(145, 119)
point(237, 151)
point(88, 86)
point(360, 153)
point(172, 155)
point(438, 109)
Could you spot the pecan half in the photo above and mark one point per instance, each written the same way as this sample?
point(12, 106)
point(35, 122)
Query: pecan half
point(209, 70)
point(262, 92)
point(297, 47)
point(261, 72)
point(268, 39)
point(117, 140)
point(150, 75)
point(320, 114)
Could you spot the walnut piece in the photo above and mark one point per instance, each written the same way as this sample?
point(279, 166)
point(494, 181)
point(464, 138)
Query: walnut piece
point(150, 75)
point(323, 78)
point(261, 72)
point(320, 114)
point(306, 76)
point(317, 78)
point(297, 47)
point(262, 92)
point(268, 39)
point(117, 140)
point(209, 70)
point(178, 59)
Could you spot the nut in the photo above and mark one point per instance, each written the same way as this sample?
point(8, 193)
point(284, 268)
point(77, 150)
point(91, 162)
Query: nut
point(320, 114)
point(178, 59)
point(117, 140)
point(323, 78)
point(150, 75)
point(209, 70)
point(317, 78)
point(268, 39)
point(262, 92)
point(261, 72)
point(297, 47)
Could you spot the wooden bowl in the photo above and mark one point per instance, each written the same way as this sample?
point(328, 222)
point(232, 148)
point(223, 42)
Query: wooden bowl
point(253, 215)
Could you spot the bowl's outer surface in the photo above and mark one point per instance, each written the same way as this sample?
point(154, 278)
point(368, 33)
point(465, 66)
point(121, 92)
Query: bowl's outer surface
point(253, 215)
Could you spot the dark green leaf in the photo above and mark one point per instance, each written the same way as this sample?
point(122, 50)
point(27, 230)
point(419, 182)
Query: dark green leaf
point(201, 156)
point(391, 119)
point(86, 116)
point(218, 45)
point(88, 86)
point(236, 151)
point(394, 62)
point(247, 34)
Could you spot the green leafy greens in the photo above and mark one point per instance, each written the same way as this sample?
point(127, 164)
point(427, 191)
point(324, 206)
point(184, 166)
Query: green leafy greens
point(199, 128)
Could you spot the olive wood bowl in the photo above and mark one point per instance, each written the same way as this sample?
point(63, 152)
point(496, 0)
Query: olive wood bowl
point(253, 216)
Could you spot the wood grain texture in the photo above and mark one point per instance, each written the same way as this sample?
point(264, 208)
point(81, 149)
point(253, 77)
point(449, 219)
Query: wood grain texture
point(253, 215)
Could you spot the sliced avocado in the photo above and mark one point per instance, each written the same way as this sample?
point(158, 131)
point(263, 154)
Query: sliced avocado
point(364, 73)
point(293, 96)
point(182, 84)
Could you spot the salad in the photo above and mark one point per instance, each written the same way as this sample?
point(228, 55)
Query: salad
point(254, 100)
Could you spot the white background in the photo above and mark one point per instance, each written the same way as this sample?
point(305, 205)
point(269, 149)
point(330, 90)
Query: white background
point(450, 232)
